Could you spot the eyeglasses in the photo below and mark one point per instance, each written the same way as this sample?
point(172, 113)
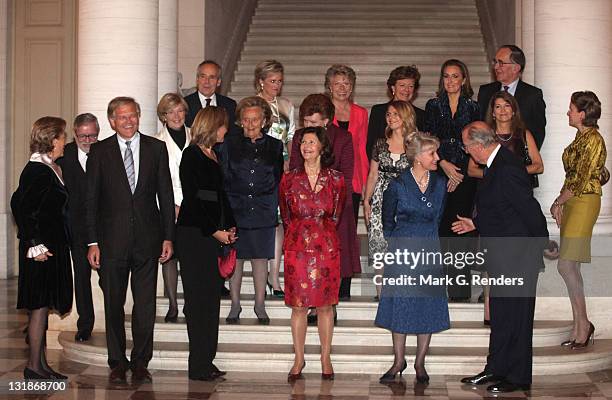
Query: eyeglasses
point(500, 63)
point(87, 137)
point(465, 147)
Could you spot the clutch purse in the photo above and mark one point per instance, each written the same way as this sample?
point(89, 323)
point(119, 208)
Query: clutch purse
point(604, 176)
point(227, 261)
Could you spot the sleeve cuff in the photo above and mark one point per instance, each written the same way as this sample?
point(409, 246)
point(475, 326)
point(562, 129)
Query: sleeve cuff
point(37, 250)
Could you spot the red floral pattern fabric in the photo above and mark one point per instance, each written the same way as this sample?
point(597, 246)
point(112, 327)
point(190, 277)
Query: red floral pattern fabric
point(311, 246)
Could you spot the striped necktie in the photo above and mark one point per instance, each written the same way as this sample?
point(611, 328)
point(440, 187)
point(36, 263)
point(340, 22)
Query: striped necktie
point(128, 162)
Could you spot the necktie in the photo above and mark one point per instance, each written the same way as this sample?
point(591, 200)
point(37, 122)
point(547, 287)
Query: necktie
point(506, 88)
point(128, 162)
point(208, 102)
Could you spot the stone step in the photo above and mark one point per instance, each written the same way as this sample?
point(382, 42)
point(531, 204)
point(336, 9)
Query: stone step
point(407, 30)
point(316, 71)
point(392, 58)
point(348, 15)
point(353, 333)
point(364, 39)
point(395, 21)
point(553, 360)
point(343, 3)
point(362, 308)
point(373, 50)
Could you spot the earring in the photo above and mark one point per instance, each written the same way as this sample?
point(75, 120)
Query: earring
point(261, 84)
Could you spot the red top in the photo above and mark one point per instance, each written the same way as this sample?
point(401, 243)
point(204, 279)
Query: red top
point(358, 127)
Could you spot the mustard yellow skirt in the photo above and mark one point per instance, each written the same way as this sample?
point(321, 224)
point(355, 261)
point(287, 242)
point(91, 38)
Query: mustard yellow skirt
point(579, 216)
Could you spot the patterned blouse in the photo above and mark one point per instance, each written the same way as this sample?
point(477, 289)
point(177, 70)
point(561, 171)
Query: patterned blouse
point(583, 161)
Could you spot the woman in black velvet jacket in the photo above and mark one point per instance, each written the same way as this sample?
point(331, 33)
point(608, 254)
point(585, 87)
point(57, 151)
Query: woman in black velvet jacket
point(204, 225)
point(39, 206)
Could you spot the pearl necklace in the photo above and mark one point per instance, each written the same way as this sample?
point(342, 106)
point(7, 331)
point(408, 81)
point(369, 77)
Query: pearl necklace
point(501, 138)
point(421, 185)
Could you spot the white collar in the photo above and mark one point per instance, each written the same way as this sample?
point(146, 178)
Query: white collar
point(213, 99)
point(45, 159)
point(492, 156)
point(512, 86)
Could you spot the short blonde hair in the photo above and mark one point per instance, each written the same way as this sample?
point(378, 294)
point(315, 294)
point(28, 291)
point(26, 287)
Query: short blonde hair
point(340, 69)
point(255, 101)
point(263, 69)
point(418, 142)
point(44, 131)
point(205, 125)
point(167, 103)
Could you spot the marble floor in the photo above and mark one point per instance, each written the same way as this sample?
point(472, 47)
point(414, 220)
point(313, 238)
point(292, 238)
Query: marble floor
point(90, 382)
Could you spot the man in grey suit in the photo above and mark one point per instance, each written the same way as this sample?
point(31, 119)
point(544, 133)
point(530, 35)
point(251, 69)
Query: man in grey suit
point(127, 232)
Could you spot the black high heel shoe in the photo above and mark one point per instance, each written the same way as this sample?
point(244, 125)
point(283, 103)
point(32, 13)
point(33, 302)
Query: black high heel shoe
point(54, 374)
point(262, 320)
point(294, 377)
point(424, 378)
point(590, 338)
point(568, 342)
point(390, 377)
point(171, 317)
point(276, 293)
point(31, 374)
point(233, 320)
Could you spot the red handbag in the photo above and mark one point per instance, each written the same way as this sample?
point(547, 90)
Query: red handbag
point(227, 262)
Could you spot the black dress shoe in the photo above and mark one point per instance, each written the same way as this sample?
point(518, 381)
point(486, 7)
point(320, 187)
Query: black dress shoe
point(82, 336)
point(507, 387)
point(216, 372)
point(482, 378)
point(141, 374)
point(31, 374)
point(117, 374)
point(171, 317)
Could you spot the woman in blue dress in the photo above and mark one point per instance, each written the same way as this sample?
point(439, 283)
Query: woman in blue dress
point(412, 208)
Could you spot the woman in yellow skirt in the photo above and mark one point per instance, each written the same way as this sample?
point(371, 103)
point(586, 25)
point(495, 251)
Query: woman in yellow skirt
point(577, 207)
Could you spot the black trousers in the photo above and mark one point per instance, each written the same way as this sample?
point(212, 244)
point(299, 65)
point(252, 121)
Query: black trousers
point(202, 290)
point(114, 275)
point(511, 338)
point(82, 287)
point(460, 202)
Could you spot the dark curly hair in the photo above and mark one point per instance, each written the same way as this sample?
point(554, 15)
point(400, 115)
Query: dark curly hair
point(327, 157)
point(588, 102)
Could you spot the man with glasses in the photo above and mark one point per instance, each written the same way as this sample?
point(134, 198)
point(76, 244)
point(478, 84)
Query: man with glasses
point(86, 130)
point(508, 65)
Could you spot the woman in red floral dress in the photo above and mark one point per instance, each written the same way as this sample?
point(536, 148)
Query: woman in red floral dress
point(311, 200)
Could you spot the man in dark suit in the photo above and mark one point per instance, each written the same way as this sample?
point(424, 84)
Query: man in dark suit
point(127, 175)
point(509, 64)
point(513, 233)
point(86, 130)
point(208, 79)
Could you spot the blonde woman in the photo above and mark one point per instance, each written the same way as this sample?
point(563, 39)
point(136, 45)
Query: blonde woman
point(171, 112)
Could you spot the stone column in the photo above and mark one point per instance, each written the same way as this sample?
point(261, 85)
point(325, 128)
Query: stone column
point(572, 52)
point(7, 232)
point(527, 38)
point(167, 70)
point(117, 56)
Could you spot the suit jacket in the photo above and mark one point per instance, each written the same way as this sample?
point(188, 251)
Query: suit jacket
point(531, 104)
point(76, 185)
point(174, 157)
point(378, 124)
point(358, 128)
point(509, 218)
point(123, 223)
point(194, 103)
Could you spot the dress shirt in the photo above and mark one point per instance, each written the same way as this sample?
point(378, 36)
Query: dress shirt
point(82, 158)
point(492, 156)
point(135, 146)
point(213, 99)
point(511, 87)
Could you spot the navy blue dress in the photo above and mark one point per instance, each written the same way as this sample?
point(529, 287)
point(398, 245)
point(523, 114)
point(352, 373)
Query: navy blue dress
point(251, 175)
point(410, 222)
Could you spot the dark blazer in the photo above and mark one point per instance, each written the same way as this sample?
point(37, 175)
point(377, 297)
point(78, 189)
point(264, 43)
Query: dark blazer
point(252, 173)
point(504, 201)
point(205, 204)
point(119, 221)
point(378, 124)
point(531, 104)
point(195, 105)
point(39, 207)
point(76, 184)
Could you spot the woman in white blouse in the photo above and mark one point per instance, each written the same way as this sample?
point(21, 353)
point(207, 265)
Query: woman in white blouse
point(171, 111)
